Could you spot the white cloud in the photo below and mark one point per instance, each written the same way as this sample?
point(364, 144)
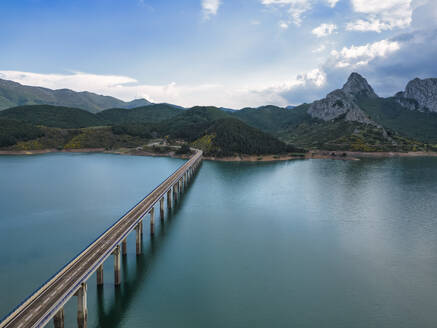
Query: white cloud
point(361, 55)
point(77, 81)
point(295, 8)
point(319, 49)
point(283, 25)
point(332, 3)
point(210, 8)
point(324, 30)
point(127, 88)
point(381, 15)
point(316, 77)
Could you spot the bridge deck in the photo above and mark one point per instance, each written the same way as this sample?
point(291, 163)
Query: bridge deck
point(41, 306)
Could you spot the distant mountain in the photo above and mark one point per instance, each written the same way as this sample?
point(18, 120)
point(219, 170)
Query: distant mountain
point(229, 110)
point(351, 118)
point(344, 102)
point(52, 116)
point(15, 94)
point(419, 95)
point(146, 114)
point(214, 131)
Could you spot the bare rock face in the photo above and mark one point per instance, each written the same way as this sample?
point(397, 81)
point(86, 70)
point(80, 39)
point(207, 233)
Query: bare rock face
point(357, 86)
point(343, 102)
point(424, 92)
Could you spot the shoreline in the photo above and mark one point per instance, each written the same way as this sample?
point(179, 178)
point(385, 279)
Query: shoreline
point(312, 154)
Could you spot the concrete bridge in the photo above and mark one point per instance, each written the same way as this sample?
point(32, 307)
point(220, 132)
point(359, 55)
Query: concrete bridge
point(48, 302)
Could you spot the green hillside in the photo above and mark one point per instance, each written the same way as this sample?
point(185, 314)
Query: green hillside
point(146, 114)
point(273, 119)
point(230, 136)
point(343, 135)
point(211, 129)
point(12, 132)
point(52, 116)
point(413, 124)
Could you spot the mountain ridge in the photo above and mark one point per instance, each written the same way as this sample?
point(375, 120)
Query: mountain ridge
point(353, 118)
point(14, 94)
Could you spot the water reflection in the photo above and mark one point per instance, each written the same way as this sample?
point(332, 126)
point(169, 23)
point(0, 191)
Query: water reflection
point(112, 314)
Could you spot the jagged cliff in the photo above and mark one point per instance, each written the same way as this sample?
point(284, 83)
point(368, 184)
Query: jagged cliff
point(419, 95)
point(344, 102)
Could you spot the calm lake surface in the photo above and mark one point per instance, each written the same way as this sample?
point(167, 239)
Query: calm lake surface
point(313, 243)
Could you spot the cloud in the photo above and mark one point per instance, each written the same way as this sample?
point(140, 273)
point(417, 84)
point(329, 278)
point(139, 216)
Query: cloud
point(381, 15)
point(216, 94)
point(295, 8)
point(77, 81)
point(333, 3)
point(283, 25)
point(361, 55)
point(210, 8)
point(324, 30)
point(319, 49)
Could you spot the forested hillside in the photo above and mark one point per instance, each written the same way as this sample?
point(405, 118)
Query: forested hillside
point(351, 118)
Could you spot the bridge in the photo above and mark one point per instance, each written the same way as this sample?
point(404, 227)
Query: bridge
point(48, 301)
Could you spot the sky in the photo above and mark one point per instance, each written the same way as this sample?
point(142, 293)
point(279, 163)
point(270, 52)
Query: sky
point(226, 53)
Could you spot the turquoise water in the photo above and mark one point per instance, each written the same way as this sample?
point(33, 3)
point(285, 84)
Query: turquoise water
point(313, 243)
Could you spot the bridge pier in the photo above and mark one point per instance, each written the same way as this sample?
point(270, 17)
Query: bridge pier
point(175, 193)
point(169, 200)
point(124, 247)
point(152, 221)
point(100, 275)
point(58, 319)
point(82, 308)
point(161, 208)
point(117, 277)
point(138, 237)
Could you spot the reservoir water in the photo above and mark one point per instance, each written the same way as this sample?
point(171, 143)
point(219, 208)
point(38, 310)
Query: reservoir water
point(312, 243)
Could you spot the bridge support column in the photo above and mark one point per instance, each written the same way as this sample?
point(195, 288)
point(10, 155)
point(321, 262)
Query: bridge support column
point(161, 208)
point(100, 275)
point(82, 308)
point(138, 235)
point(152, 221)
point(117, 277)
point(58, 319)
point(169, 199)
point(124, 247)
point(175, 193)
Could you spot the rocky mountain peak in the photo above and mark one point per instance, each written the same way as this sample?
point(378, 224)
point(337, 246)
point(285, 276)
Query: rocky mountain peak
point(357, 85)
point(422, 91)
